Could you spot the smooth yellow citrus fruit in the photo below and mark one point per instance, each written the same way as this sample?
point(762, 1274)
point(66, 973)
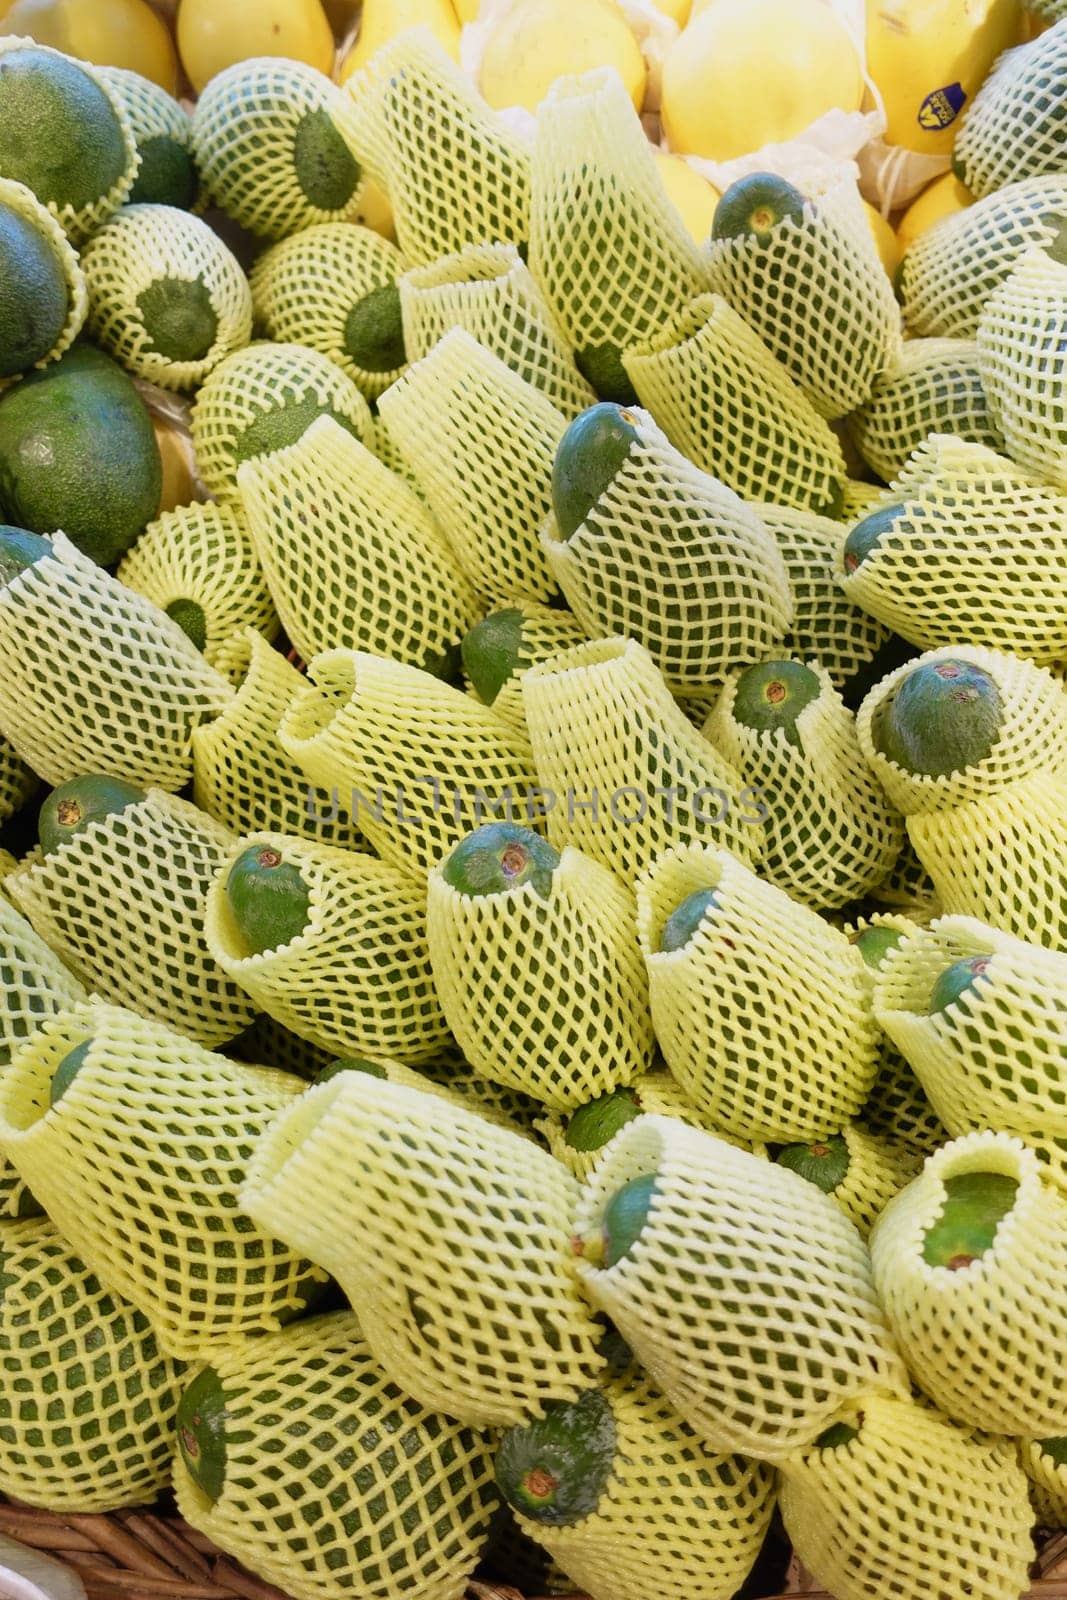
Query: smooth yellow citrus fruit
point(213, 34)
point(942, 198)
point(885, 239)
point(537, 41)
point(109, 33)
point(693, 195)
point(382, 20)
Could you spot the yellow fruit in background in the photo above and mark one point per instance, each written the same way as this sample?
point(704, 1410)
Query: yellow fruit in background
point(942, 198)
point(885, 239)
point(693, 195)
point(382, 20)
point(375, 211)
point(467, 10)
point(213, 34)
point(746, 73)
point(679, 11)
point(537, 41)
point(180, 486)
point(929, 58)
point(110, 33)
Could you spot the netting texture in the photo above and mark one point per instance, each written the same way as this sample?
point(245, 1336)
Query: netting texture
point(1048, 1483)
point(17, 783)
point(765, 1322)
point(418, 764)
point(986, 1343)
point(482, 442)
point(366, 1492)
point(952, 269)
point(454, 173)
point(141, 249)
point(139, 1164)
point(657, 1094)
point(1014, 126)
point(122, 903)
point(912, 1505)
point(763, 1016)
point(547, 995)
point(545, 631)
point(272, 145)
point(1021, 338)
point(878, 1168)
point(818, 296)
point(674, 559)
point(357, 980)
point(153, 113)
point(831, 835)
point(1049, 10)
point(353, 557)
point(935, 387)
point(724, 400)
point(489, 292)
point(23, 202)
point(389, 1189)
point(87, 1401)
point(234, 409)
point(95, 678)
point(505, 1107)
point(306, 289)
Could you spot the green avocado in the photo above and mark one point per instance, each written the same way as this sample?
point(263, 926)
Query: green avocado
point(334, 1069)
point(824, 1163)
point(555, 1469)
point(867, 534)
point(976, 1203)
point(326, 170)
point(754, 206)
point(492, 651)
point(18, 551)
point(686, 918)
point(625, 1216)
point(773, 694)
point(944, 717)
point(167, 175)
point(374, 331)
point(60, 134)
point(189, 615)
point(34, 299)
point(1056, 249)
point(283, 425)
point(501, 856)
point(201, 1428)
point(1056, 1448)
point(874, 944)
point(67, 1071)
point(268, 898)
point(596, 1123)
point(602, 368)
point(72, 806)
point(957, 980)
point(589, 455)
point(837, 1435)
point(179, 318)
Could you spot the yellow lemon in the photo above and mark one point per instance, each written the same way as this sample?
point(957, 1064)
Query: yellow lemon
point(537, 41)
point(746, 73)
point(110, 33)
point(942, 198)
point(693, 195)
point(213, 34)
point(382, 20)
point(888, 245)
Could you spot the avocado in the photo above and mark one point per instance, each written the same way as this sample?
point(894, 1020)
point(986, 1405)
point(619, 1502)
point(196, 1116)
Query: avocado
point(956, 980)
point(824, 1163)
point(283, 425)
point(945, 716)
point(754, 206)
point(326, 170)
point(686, 918)
point(34, 298)
point(554, 1470)
point(491, 652)
point(874, 944)
point(333, 1069)
point(589, 455)
point(602, 368)
point(78, 452)
point(1056, 249)
point(67, 1071)
point(837, 1435)
point(189, 615)
point(60, 134)
point(201, 1428)
point(167, 175)
point(867, 534)
point(501, 856)
point(597, 1122)
point(1056, 1448)
point(772, 695)
point(268, 898)
point(625, 1216)
point(178, 317)
point(374, 331)
point(976, 1203)
point(71, 807)
point(18, 551)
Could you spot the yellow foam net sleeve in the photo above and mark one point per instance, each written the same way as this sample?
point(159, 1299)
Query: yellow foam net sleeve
point(623, 772)
point(674, 559)
point(455, 174)
point(674, 1516)
point(543, 632)
point(1020, 348)
point(95, 678)
point(831, 835)
point(357, 980)
point(912, 1505)
point(1013, 127)
point(994, 1058)
point(263, 398)
point(87, 1401)
point(417, 763)
point(951, 270)
point(546, 994)
point(508, 1108)
point(18, 783)
point(122, 902)
point(148, 245)
point(977, 555)
point(748, 1295)
point(241, 774)
point(138, 1166)
point(203, 554)
point(393, 1499)
point(723, 399)
point(992, 836)
point(482, 442)
point(935, 387)
point(274, 148)
point(763, 1017)
point(78, 223)
point(405, 1201)
point(488, 290)
point(155, 115)
point(25, 204)
point(1049, 10)
point(1048, 1484)
point(377, 575)
point(878, 1168)
point(859, 497)
point(985, 1343)
point(609, 249)
point(334, 289)
point(817, 295)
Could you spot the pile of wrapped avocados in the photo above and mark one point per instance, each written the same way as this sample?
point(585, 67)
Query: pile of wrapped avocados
point(583, 1064)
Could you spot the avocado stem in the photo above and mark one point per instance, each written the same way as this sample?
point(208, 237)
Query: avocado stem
point(539, 1484)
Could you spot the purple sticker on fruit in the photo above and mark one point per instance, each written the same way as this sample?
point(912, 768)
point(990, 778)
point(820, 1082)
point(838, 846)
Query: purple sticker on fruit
point(942, 106)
